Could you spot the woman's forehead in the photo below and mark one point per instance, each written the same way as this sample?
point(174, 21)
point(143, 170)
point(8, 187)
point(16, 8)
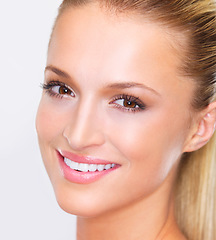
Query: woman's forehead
point(100, 50)
point(89, 32)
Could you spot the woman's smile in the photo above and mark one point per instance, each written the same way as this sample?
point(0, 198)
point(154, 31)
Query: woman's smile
point(83, 169)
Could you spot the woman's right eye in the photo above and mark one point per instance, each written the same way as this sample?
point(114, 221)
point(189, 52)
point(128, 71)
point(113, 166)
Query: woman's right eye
point(62, 90)
point(58, 89)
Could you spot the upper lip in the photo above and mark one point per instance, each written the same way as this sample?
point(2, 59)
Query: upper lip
point(82, 159)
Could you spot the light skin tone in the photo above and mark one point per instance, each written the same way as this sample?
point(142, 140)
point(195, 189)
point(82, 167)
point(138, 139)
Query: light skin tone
point(105, 61)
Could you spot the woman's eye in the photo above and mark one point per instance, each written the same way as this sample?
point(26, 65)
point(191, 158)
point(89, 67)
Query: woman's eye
point(57, 89)
point(62, 90)
point(126, 103)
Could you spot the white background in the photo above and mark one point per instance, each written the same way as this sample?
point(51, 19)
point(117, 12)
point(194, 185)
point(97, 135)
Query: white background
point(28, 209)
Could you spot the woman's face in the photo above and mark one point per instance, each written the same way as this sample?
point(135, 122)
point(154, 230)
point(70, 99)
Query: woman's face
point(113, 95)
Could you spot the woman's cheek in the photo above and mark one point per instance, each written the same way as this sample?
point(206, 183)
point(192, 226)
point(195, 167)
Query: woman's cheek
point(144, 138)
point(50, 120)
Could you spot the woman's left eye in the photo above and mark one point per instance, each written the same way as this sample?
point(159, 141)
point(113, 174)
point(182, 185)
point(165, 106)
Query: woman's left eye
point(128, 103)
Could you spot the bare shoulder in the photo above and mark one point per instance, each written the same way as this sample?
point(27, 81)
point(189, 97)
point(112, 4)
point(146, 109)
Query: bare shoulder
point(175, 234)
point(180, 237)
point(172, 232)
point(174, 237)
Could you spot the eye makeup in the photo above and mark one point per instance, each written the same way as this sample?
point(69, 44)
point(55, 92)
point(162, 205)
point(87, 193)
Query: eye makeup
point(130, 103)
point(57, 89)
point(123, 102)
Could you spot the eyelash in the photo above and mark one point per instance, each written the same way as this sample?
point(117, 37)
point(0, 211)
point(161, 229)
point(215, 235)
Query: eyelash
point(138, 104)
point(130, 100)
point(48, 87)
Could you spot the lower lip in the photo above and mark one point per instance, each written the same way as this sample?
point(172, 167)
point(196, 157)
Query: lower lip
point(81, 177)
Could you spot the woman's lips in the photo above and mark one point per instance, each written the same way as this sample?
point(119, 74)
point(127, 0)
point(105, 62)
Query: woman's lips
point(82, 159)
point(80, 169)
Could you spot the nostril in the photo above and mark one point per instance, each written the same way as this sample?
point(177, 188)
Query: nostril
point(79, 139)
point(67, 135)
point(84, 127)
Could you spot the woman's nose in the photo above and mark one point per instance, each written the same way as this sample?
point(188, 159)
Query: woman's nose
point(84, 129)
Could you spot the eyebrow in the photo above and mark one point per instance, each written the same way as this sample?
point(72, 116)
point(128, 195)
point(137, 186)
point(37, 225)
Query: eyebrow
point(125, 85)
point(121, 85)
point(57, 71)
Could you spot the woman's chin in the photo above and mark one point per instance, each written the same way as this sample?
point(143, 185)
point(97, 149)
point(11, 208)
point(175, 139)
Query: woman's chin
point(87, 211)
point(79, 204)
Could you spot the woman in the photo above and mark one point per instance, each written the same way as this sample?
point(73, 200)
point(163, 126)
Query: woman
point(126, 117)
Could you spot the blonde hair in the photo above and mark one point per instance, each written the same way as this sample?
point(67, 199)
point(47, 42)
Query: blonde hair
point(196, 181)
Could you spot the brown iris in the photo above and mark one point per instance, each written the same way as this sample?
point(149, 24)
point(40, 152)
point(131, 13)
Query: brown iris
point(129, 104)
point(63, 90)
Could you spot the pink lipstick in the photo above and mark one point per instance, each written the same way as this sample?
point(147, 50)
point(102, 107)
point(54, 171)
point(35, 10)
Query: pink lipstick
point(83, 169)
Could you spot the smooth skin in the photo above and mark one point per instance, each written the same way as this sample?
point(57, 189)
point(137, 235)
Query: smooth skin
point(101, 56)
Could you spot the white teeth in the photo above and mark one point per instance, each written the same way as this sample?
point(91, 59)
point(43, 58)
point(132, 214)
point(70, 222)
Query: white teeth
point(83, 167)
point(108, 166)
point(101, 167)
point(67, 161)
point(73, 165)
point(92, 167)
